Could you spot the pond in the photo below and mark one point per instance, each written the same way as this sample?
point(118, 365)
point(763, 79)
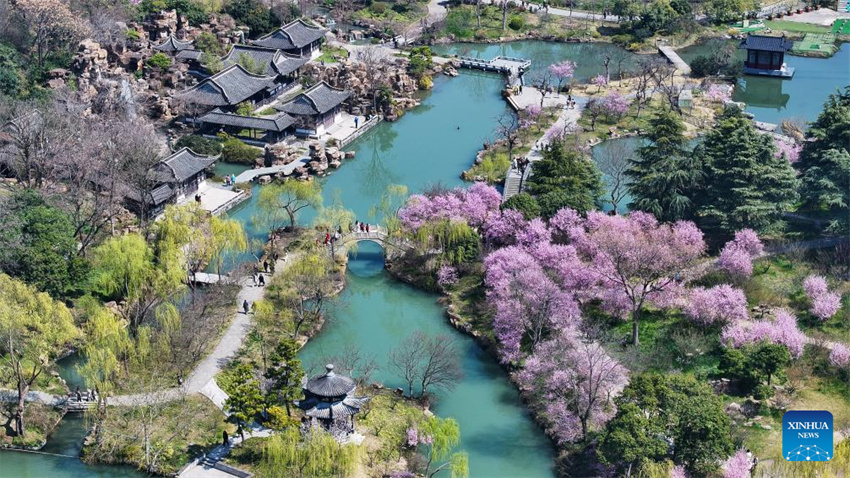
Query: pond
point(588, 57)
point(801, 97)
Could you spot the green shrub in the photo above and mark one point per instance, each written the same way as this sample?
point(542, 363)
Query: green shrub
point(524, 203)
point(378, 8)
point(159, 60)
point(762, 392)
point(208, 43)
point(199, 144)
point(425, 82)
point(132, 34)
point(235, 151)
point(516, 23)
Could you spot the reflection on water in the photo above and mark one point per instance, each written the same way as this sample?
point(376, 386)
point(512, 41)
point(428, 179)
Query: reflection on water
point(377, 312)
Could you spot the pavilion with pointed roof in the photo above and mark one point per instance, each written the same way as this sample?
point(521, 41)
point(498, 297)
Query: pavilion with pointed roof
point(296, 38)
point(273, 61)
point(230, 87)
point(329, 402)
point(316, 109)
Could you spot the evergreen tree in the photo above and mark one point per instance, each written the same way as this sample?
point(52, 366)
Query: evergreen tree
point(744, 184)
point(825, 161)
point(244, 399)
point(567, 171)
point(285, 374)
point(665, 172)
point(524, 203)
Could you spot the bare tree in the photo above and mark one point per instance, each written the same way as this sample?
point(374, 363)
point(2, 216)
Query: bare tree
point(430, 362)
point(508, 129)
point(35, 136)
point(613, 160)
point(665, 81)
point(373, 59)
point(645, 75)
point(350, 361)
point(140, 150)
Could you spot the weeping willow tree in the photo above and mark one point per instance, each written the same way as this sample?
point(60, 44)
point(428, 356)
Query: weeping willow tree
point(443, 436)
point(455, 241)
point(386, 211)
point(316, 455)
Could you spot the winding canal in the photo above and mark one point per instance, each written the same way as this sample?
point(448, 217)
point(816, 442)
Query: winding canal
point(432, 145)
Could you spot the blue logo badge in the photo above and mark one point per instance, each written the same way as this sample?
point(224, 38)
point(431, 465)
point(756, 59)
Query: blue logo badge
point(807, 435)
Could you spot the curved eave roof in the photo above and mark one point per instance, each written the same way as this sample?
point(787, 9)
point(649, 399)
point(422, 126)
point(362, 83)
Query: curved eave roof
point(341, 409)
point(277, 123)
point(295, 34)
point(228, 87)
point(172, 44)
point(330, 384)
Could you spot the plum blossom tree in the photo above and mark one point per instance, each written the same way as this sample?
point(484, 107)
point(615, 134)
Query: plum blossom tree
point(789, 149)
point(678, 471)
point(636, 258)
point(563, 71)
point(718, 94)
point(737, 465)
point(615, 104)
point(529, 306)
point(472, 205)
point(781, 330)
point(736, 257)
point(446, 276)
point(501, 229)
point(599, 81)
point(824, 304)
point(717, 305)
point(576, 380)
point(840, 356)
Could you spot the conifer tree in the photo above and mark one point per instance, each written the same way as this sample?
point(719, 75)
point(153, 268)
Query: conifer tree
point(569, 172)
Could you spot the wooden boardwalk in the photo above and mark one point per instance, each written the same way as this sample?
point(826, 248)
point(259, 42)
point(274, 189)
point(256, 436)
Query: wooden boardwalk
point(675, 59)
point(513, 68)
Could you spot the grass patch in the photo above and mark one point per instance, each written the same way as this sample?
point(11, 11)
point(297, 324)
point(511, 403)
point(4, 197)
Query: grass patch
point(267, 111)
point(332, 54)
point(462, 23)
point(397, 12)
point(795, 27)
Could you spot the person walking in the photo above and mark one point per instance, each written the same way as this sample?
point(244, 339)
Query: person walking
point(246, 306)
point(356, 122)
point(266, 266)
point(262, 280)
point(254, 278)
point(224, 438)
point(367, 229)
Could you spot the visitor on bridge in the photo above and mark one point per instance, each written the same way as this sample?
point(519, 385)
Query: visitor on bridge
point(246, 306)
point(367, 229)
point(362, 227)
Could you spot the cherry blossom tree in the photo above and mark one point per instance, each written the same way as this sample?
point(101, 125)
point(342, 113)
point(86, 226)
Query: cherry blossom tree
point(501, 228)
point(636, 258)
point(840, 356)
point(563, 71)
point(616, 104)
point(576, 381)
point(736, 257)
point(599, 81)
point(719, 304)
point(447, 275)
point(781, 330)
point(824, 304)
point(737, 465)
point(718, 94)
point(472, 205)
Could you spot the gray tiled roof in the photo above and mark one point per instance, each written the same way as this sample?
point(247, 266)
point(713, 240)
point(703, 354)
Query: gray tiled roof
point(766, 43)
point(344, 408)
point(330, 384)
point(182, 165)
point(319, 99)
point(189, 55)
point(171, 44)
point(228, 87)
point(294, 35)
point(275, 61)
point(278, 122)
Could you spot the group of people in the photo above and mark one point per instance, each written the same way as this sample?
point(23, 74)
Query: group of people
point(88, 396)
point(359, 226)
point(753, 460)
point(516, 90)
point(571, 103)
point(230, 180)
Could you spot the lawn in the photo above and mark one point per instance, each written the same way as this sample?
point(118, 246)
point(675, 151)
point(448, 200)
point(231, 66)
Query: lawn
point(332, 54)
point(795, 27)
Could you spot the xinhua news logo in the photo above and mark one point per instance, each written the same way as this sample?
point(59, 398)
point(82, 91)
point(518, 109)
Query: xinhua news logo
point(807, 435)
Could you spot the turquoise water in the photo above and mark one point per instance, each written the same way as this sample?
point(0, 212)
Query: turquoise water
point(588, 57)
point(801, 97)
point(67, 440)
point(376, 312)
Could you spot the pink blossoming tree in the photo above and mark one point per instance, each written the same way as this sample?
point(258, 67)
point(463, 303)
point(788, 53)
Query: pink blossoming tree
point(718, 94)
point(563, 71)
point(472, 205)
point(781, 330)
point(600, 81)
point(446, 276)
point(824, 304)
point(718, 305)
point(616, 105)
point(737, 255)
point(789, 149)
point(840, 356)
point(576, 381)
point(737, 465)
point(637, 258)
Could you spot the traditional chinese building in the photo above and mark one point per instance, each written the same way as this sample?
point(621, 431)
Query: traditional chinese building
point(329, 402)
point(260, 129)
point(316, 109)
point(171, 180)
point(766, 56)
point(273, 62)
point(296, 38)
point(230, 87)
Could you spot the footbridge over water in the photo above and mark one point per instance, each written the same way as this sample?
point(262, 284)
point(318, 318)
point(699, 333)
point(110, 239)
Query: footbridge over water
point(376, 234)
point(512, 68)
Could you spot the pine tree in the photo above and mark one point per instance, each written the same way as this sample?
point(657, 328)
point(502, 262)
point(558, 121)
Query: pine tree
point(285, 374)
point(825, 161)
point(568, 171)
point(664, 175)
point(244, 399)
point(744, 183)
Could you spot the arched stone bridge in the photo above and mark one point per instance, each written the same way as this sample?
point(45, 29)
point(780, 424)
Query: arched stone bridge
point(376, 234)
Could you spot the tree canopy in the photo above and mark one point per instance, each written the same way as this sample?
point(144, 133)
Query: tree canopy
point(569, 172)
